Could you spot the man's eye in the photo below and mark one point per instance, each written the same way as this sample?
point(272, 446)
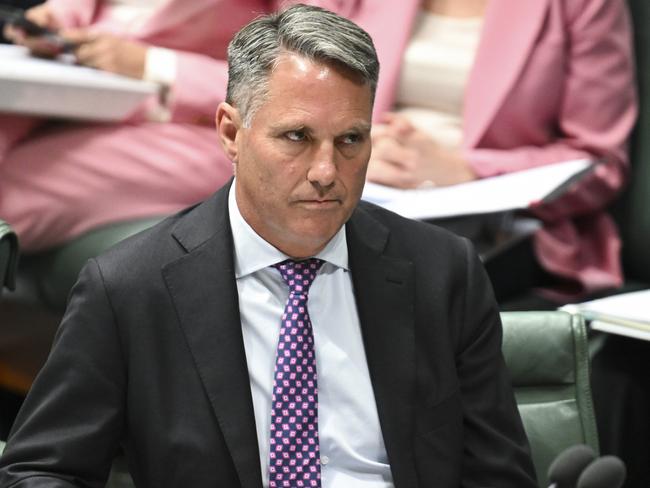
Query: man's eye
point(351, 138)
point(296, 135)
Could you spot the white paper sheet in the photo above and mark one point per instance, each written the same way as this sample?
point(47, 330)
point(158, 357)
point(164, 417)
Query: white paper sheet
point(634, 306)
point(625, 314)
point(620, 330)
point(53, 88)
point(500, 193)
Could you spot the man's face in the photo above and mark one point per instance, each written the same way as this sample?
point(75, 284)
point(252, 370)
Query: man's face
point(301, 164)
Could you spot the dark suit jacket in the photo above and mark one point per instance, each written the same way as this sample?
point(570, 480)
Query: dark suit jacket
point(150, 356)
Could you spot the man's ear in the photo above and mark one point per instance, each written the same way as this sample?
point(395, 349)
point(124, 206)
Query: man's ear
point(228, 124)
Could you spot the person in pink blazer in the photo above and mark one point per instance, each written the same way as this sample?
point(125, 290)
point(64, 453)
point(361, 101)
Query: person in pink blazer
point(552, 80)
point(58, 180)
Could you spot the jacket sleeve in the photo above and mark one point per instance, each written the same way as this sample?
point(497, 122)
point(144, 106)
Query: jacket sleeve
point(199, 87)
point(597, 113)
point(70, 425)
point(201, 80)
point(496, 451)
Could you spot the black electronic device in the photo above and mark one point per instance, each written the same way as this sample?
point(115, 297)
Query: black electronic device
point(16, 18)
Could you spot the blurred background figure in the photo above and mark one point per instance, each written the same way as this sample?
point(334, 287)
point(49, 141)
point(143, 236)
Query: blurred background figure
point(60, 179)
point(475, 88)
point(471, 89)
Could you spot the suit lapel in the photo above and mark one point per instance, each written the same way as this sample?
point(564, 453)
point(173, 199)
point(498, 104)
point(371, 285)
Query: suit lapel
point(204, 292)
point(383, 289)
point(501, 56)
point(203, 289)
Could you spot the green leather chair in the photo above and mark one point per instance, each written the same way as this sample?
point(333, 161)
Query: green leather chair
point(51, 274)
point(548, 359)
point(8, 256)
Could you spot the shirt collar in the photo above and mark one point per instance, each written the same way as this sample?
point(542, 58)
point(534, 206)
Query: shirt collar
point(253, 253)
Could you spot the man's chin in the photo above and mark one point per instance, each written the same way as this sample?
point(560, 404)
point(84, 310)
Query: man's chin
point(306, 242)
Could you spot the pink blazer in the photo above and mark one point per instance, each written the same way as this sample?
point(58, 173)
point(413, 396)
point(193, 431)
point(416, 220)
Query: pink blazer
point(199, 30)
point(553, 80)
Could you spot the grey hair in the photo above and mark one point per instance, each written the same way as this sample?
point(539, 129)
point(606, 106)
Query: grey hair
point(312, 32)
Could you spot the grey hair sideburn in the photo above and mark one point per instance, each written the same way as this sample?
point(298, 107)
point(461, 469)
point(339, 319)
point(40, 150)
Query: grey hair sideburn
point(312, 32)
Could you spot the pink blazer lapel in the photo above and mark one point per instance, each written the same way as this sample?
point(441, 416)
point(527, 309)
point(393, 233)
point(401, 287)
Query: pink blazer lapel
point(511, 27)
point(390, 24)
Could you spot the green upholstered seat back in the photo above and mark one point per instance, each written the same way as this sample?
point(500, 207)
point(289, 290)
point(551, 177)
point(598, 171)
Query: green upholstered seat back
point(548, 360)
point(632, 211)
point(55, 271)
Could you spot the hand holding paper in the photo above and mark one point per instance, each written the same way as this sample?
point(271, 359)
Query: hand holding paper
point(108, 52)
point(36, 29)
point(404, 156)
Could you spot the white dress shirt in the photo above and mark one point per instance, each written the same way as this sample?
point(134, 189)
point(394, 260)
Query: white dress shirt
point(351, 444)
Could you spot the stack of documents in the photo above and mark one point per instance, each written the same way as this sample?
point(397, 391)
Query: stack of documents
point(53, 88)
point(510, 191)
point(627, 314)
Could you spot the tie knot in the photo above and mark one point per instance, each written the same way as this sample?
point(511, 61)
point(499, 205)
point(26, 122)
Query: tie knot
point(299, 275)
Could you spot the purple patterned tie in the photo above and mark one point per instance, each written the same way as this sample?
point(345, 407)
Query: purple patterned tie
point(294, 451)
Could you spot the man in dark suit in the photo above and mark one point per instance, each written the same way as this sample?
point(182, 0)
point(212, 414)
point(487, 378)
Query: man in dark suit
point(171, 350)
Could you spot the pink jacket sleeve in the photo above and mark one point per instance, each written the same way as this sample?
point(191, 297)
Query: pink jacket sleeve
point(596, 116)
point(200, 86)
point(201, 78)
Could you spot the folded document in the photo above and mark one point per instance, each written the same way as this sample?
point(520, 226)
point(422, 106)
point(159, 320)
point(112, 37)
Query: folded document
point(489, 195)
point(52, 88)
point(626, 314)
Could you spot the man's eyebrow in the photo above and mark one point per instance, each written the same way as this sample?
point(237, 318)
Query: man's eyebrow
point(287, 126)
point(360, 127)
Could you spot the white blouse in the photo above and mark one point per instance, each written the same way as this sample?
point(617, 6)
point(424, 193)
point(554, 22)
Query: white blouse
point(434, 73)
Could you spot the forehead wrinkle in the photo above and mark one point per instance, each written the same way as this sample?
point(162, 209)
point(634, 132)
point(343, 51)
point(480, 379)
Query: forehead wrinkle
point(297, 81)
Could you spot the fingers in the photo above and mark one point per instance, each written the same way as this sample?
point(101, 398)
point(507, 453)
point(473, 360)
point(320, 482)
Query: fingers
point(89, 51)
point(93, 50)
point(389, 174)
point(12, 34)
point(78, 36)
point(45, 45)
point(388, 149)
point(392, 164)
point(399, 126)
point(42, 15)
point(109, 53)
point(38, 45)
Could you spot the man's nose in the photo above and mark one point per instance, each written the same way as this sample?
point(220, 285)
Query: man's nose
point(322, 171)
